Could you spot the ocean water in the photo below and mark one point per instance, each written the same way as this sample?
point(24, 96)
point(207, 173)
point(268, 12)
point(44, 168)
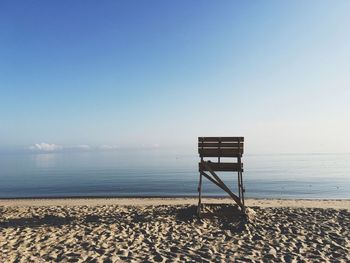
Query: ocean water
point(169, 173)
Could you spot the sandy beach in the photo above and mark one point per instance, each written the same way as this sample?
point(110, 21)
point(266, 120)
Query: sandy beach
point(167, 230)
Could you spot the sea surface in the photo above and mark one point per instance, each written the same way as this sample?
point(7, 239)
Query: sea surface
point(169, 173)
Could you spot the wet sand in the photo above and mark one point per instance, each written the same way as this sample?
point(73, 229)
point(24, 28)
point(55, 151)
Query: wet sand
point(167, 230)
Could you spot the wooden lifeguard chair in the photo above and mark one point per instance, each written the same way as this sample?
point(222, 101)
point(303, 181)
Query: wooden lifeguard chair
point(221, 147)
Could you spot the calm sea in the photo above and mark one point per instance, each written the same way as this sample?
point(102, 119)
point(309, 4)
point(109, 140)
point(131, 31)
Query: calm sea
point(169, 173)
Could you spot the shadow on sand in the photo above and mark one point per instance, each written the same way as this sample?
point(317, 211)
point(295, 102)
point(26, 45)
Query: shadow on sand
point(227, 216)
point(47, 220)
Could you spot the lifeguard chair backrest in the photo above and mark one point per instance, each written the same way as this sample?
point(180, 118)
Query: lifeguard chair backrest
point(221, 147)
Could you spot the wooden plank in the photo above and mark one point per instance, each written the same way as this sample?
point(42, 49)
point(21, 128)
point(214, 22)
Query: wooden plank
point(221, 145)
point(227, 149)
point(223, 167)
point(222, 139)
point(220, 152)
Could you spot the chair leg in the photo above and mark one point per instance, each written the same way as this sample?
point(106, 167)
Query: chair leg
point(199, 195)
point(242, 187)
point(239, 186)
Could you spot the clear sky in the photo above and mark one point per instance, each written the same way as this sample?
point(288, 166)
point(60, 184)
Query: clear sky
point(161, 73)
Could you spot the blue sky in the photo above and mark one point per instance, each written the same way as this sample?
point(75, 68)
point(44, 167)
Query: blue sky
point(162, 73)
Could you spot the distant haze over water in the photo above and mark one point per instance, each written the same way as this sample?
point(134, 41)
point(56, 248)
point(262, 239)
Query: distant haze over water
point(158, 172)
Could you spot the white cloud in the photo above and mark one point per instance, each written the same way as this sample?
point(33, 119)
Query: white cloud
point(46, 147)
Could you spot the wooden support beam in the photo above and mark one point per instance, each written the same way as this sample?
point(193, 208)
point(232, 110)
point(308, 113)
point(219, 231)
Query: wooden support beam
point(213, 181)
point(222, 185)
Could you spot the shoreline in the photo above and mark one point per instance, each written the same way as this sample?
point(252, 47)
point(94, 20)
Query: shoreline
point(171, 201)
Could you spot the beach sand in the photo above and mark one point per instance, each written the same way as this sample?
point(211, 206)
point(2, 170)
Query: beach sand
point(167, 230)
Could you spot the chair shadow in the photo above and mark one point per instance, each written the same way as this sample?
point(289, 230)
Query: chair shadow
point(186, 213)
point(229, 216)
